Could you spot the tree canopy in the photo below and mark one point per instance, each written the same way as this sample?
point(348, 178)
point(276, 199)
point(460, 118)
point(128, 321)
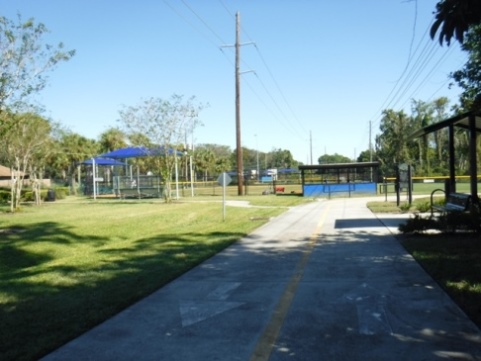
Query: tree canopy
point(25, 59)
point(453, 19)
point(164, 123)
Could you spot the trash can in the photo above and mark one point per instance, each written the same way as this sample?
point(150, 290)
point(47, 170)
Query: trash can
point(51, 195)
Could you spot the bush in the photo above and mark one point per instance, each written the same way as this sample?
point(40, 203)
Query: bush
point(418, 224)
point(423, 206)
point(405, 207)
point(61, 192)
point(4, 196)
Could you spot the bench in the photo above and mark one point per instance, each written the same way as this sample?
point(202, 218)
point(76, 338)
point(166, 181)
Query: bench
point(455, 202)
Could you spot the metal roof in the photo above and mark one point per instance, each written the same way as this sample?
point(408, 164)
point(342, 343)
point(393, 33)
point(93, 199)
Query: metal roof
point(339, 165)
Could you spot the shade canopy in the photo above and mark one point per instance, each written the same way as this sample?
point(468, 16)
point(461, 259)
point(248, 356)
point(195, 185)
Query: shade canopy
point(103, 161)
point(135, 152)
point(287, 170)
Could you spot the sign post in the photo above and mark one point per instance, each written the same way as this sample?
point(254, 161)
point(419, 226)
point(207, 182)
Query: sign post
point(224, 180)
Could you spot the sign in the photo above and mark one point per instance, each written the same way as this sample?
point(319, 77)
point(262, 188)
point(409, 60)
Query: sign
point(224, 179)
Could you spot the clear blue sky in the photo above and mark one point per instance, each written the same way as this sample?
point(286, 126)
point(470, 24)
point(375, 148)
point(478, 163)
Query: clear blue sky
point(322, 67)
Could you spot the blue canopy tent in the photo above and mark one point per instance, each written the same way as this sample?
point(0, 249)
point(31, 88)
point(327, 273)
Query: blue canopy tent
point(135, 152)
point(287, 170)
point(142, 185)
point(102, 161)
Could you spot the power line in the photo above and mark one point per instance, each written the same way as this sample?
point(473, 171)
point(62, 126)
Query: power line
point(202, 21)
point(278, 87)
point(271, 75)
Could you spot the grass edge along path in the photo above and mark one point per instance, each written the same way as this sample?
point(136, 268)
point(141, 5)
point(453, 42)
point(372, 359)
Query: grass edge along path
point(65, 268)
point(452, 260)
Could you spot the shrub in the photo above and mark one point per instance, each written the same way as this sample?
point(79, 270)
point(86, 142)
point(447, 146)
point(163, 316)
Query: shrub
point(418, 224)
point(423, 206)
point(61, 192)
point(4, 196)
point(405, 207)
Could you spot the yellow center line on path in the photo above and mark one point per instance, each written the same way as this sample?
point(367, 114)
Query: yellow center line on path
point(267, 341)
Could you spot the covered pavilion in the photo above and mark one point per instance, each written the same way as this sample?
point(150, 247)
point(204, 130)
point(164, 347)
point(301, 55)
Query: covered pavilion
point(329, 179)
point(471, 121)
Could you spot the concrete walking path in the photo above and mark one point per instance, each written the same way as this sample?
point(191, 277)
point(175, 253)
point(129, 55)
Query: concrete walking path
point(324, 281)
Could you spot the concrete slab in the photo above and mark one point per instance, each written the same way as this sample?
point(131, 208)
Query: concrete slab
point(324, 281)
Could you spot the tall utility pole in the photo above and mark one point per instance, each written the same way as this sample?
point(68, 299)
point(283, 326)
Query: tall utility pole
point(240, 163)
point(237, 45)
point(370, 144)
point(310, 142)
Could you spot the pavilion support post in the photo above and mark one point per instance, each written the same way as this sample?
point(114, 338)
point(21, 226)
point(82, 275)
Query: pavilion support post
point(452, 160)
point(473, 158)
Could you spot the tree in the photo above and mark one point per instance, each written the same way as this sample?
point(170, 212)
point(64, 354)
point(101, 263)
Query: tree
point(281, 158)
point(333, 158)
point(24, 143)
point(367, 156)
point(25, 60)
point(455, 18)
point(112, 139)
point(222, 156)
point(422, 116)
point(69, 149)
point(164, 123)
point(204, 161)
point(469, 77)
point(393, 145)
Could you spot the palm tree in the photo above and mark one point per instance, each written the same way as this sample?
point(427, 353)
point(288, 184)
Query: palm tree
point(393, 144)
point(112, 139)
point(204, 160)
point(455, 17)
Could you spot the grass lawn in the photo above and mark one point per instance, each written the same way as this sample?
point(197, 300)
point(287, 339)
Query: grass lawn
point(453, 260)
point(67, 266)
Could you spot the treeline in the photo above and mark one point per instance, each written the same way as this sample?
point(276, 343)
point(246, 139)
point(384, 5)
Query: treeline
point(428, 154)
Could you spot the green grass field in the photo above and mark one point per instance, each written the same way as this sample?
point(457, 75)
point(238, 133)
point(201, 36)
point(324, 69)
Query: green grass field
point(69, 265)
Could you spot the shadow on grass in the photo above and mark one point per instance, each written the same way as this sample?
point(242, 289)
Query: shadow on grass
point(46, 302)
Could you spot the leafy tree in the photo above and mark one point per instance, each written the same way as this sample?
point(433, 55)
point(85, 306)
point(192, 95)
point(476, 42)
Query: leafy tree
point(220, 151)
point(222, 156)
point(455, 18)
point(164, 123)
point(440, 137)
point(112, 139)
point(469, 77)
point(69, 150)
point(333, 158)
point(281, 158)
point(422, 116)
point(23, 144)
point(393, 144)
point(25, 60)
point(204, 161)
point(366, 156)
point(222, 165)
